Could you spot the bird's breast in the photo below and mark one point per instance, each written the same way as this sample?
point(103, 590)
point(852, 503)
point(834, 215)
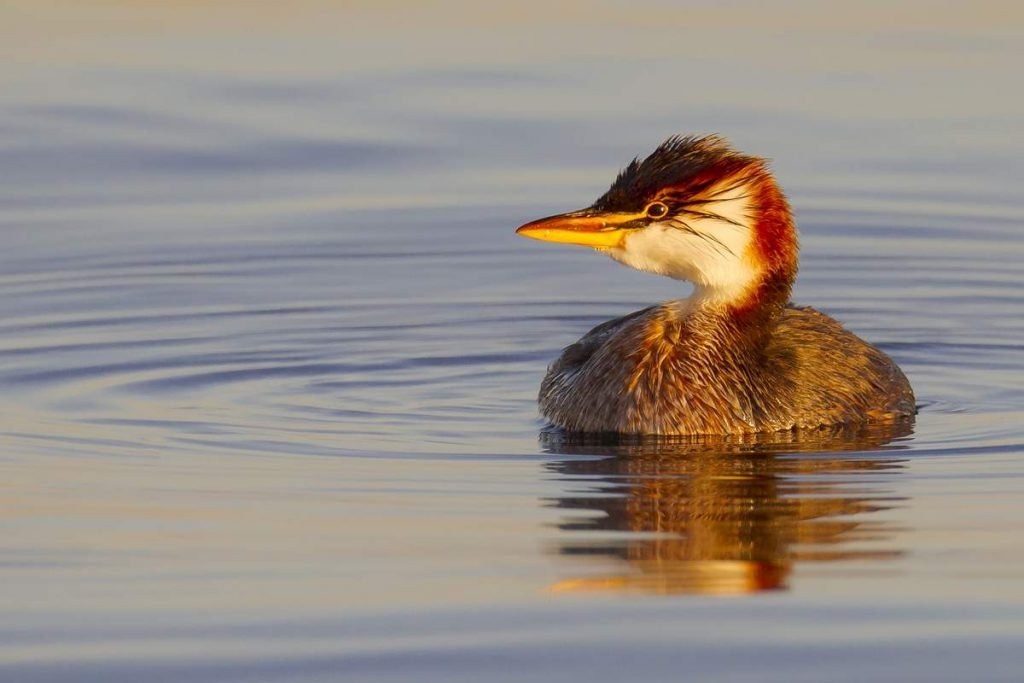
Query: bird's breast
point(651, 373)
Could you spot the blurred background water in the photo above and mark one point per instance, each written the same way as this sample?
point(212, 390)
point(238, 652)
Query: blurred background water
point(269, 348)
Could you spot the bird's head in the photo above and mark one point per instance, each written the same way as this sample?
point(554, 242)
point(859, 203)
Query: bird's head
point(694, 210)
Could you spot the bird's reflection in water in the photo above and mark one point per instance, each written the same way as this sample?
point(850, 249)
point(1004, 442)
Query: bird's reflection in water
point(725, 515)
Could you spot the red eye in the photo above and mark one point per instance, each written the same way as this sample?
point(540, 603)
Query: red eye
point(657, 210)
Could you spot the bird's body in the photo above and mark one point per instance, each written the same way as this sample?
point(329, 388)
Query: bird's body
point(669, 370)
point(734, 358)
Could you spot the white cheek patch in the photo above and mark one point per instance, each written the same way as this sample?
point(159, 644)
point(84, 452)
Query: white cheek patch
point(707, 248)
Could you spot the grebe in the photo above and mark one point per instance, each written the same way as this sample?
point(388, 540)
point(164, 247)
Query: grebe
point(733, 358)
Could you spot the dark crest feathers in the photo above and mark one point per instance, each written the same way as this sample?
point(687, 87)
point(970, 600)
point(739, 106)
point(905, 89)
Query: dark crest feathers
point(676, 161)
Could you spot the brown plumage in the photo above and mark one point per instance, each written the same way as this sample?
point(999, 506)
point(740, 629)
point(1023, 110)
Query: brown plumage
point(734, 358)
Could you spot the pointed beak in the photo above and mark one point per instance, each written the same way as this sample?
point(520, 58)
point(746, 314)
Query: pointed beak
point(586, 227)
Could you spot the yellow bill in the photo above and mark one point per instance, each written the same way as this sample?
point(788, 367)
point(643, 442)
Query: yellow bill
point(583, 227)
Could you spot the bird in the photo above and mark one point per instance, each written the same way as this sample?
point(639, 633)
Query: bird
point(736, 356)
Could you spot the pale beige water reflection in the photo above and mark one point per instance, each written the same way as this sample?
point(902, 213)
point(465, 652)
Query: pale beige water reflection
point(722, 516)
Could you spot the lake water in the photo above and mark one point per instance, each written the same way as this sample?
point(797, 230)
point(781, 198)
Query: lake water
point(269, 348)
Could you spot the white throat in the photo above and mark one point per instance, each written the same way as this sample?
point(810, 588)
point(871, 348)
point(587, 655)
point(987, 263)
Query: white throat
point(711, 250)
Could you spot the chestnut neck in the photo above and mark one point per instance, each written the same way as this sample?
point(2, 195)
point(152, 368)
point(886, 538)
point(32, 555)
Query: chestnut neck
point(775, 251)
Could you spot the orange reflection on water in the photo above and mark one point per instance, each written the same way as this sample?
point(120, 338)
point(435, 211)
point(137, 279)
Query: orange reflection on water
point(726, 516)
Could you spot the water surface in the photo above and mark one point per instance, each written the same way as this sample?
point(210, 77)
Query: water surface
point(269, 348)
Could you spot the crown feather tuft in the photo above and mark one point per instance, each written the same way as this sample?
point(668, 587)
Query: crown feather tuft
point(675, 163)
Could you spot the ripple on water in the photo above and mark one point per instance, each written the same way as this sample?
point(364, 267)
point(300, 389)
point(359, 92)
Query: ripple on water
point(356, 370)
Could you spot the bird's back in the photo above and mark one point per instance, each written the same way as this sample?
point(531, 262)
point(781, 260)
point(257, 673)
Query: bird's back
point(838, 378)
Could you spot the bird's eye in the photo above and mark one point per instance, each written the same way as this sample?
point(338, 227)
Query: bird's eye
point(657, 210)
